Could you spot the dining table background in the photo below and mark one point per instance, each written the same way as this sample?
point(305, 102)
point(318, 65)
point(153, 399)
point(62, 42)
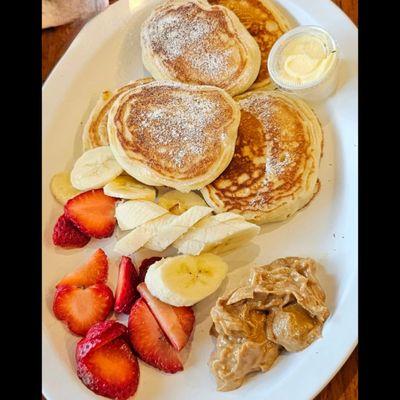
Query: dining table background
point(55, 41)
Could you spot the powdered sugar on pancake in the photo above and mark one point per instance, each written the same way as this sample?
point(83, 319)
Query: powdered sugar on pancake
point(174, 37)
point(192, 44)
point(277, 159)
point(179, 128)
point(185, 124)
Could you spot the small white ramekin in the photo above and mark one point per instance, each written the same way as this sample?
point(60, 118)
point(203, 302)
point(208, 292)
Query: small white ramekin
point(315, 90)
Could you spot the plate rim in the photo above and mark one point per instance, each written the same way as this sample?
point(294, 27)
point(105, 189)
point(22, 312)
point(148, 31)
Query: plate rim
point(353, 282)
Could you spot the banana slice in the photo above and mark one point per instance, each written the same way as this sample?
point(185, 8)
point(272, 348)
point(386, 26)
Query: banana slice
point(186, 280)
point(177, 202)
point(94, 169)
point(217, 234)
point(180, 225)
point(126, 187)
point(136, 239)
point(133, 213)
point(215, 220)
point(223, 217)
point(62, 188)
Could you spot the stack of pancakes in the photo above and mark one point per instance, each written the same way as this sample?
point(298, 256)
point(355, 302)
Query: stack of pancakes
point(256, 154)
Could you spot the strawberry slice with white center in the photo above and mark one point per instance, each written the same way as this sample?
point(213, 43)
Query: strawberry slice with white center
point(95, 270)
point(171, 321)
point(149, 341)
point(93, 213)
point(81, 308)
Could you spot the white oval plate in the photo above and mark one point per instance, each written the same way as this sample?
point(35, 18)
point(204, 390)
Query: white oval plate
point(107, 54)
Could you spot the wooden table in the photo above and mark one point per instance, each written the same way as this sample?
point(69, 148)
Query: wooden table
point(55, 41)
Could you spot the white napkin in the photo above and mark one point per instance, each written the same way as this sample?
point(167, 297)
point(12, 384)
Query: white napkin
point(60, 12)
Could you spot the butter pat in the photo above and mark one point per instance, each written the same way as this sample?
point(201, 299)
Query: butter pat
point(304, 61)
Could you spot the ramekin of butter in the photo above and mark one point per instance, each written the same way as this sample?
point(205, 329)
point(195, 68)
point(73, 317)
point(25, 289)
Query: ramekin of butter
point(304, 62)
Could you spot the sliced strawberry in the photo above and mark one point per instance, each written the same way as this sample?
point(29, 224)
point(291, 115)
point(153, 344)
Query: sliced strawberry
point(67, 235)
point(144, 266)
point(93, 213)
point(106, 330)
point(99, 335)
point(111, 370)
point(149, 341)
point(186, 318)
point(81, 308)
point(168, 318)
point(126, 292)
point(94, 271)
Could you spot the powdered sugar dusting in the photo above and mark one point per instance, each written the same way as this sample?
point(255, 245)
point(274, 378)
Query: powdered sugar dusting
point(276, 166)
point(258, 201)
point(212, 63)
point(257, 104)
point(271, 155)
point(174, 37)
point(184, 37)
point(179, 127)
point(277, 157)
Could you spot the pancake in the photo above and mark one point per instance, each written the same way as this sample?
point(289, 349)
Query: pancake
point(95, 130)
point(192, 42)
point(266, 24)
point(274, 171)
point(172, 134)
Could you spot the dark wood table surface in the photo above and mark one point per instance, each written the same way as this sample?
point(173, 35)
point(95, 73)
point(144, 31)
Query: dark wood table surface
point(55, 41)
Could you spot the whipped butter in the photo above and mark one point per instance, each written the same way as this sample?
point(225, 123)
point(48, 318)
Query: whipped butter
point(304, 61)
